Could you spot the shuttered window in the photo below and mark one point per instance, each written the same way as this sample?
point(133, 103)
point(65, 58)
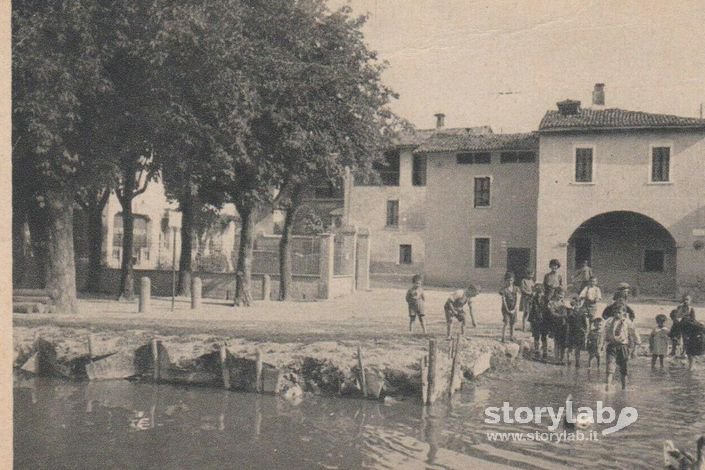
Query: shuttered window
point(583, 165)
point(482, 191)
point(660, 164)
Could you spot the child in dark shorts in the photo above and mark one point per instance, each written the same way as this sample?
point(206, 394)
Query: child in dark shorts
point(510, 305)
point(594, 341)
point(559, 324)
point(577, 330)
point(540, 323)
point(527, 295)
point(415, 300)
point(455, 308)
point(619, 336)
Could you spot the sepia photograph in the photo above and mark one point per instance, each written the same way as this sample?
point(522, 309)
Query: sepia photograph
point(347, 234)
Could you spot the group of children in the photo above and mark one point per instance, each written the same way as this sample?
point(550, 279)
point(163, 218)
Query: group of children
point(574, 327)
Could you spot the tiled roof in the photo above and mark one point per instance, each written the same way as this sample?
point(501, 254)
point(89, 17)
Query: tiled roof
point(416, 137)
point(596, 119)
point(442, 142)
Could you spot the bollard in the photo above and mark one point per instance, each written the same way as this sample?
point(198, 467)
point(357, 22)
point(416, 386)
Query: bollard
point(258, 372)
point(224, 366)
point(196, 293)
point(145, 294)
point(361, 366)
point(267, 287)
point(155, 358)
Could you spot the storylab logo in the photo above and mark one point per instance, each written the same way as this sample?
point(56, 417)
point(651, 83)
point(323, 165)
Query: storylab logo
point(581, 417)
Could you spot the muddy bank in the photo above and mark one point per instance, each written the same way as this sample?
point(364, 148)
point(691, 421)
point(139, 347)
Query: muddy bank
point(323, 367)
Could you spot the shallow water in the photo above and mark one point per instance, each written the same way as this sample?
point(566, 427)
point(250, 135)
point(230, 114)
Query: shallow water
point(123, 425)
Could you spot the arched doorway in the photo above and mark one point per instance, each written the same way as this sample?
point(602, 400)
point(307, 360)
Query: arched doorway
point(624, 246)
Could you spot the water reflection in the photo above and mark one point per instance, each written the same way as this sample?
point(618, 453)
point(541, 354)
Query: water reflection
point(60, 424)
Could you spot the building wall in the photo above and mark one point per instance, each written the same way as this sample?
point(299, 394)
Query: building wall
point(621, 183)
point(452, 220)
point(368, 208)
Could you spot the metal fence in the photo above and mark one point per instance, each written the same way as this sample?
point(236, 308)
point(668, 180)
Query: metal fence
point(305, 255)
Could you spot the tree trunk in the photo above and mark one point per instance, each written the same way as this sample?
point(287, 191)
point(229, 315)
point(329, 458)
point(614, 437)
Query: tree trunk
point(19, 258)
point(243, 285)
point(127, 287)
point(39, 239)
point(285, 268)
point(61, 268)
point(185, 268)
point(95, 240)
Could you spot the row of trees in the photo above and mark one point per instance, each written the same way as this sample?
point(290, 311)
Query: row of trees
point(241, 101)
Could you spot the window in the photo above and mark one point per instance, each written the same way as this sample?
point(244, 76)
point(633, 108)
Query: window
point(653, 261)
point(388, 170)
point(482, 191)
point(660, 164)
point(517, 157)
point(473, 158)
point(583, 165)
point(418, 173)
point(392, 213)
point(116, 253)
point(405, 254)
point(482, 252)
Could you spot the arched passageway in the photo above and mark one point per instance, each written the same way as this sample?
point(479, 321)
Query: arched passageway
point(623, 246)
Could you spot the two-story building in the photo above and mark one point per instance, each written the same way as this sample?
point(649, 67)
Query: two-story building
point(624, 190)
point(480, 206)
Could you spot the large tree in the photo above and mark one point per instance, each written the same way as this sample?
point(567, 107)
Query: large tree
point(57, 59)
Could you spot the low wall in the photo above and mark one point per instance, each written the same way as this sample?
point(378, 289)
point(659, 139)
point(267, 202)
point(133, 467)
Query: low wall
point(214, 285)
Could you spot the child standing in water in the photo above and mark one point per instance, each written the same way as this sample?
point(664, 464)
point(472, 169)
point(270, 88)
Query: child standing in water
point(510, 305)
point(527, 295)
point(415, 300)
point(658, 341)
point(594, 341)
point(577, 330)
point(619, 336)
point(455, 308)
point(559, 326)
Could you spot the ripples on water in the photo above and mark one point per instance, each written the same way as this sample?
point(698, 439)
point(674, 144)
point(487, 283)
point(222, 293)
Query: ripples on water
point(124, 425)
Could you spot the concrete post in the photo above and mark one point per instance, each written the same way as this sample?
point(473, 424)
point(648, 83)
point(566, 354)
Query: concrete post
point(145, 294)
point(362, 260)
point(267, 288)
point(349, 232)
point(347, 195)
point(326, 265)
point(196, 291)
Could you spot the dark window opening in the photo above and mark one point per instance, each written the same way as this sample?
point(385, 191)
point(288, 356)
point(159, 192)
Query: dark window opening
point(583, 165)
point(418, 174)
point(473, 158)
point(405, 254)
point(392, 213)
point(517, 157)
point(653, 261)
point(660, 163)
point(482, 192)
point(482, 252)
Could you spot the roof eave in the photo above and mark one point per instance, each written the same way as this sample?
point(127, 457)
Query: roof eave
point(553, 130)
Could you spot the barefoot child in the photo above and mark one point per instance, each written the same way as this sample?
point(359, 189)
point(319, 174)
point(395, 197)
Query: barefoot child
point(619, 335)
point(540, 324)
point(577, 330)
point(658, 341)
point(415, 300)
point(594, 341)
point(455, 308)
point(559, 326)
point(527, 295)
point(590, 295)
point(683, 310)
point(510, 305)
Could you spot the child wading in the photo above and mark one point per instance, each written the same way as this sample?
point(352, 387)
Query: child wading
point(683, 310)
point(527, 295)
point(415, 300)
point(510, 305)
point(658, 341)
point(455, 308)
point(693, 333)
point(619, 335)
point(594, 341)
point(559, 325)
point(540, 324)
point(589, 297)
point(552, 280)
point(577, 330)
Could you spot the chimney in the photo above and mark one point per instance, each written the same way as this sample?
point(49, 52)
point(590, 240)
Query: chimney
point(568, 107)
point(440, 120)
point(598, 95)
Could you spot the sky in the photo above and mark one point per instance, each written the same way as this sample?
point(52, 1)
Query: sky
point(503, 63)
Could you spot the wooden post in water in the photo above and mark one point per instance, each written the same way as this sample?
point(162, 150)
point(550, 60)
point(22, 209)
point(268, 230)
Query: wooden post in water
point(360, 364)
point(432, 366)
point(224, 366)
point(90, 348)
point(155, 359)
point(424, 379)
point(258, 366)
point(454, 365)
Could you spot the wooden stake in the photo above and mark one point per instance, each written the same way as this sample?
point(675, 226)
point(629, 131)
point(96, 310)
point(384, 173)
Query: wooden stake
point(454, 365)
point(90, 348)
point(432, 366)
point(155, 359)
point(258, 365)
point(424, 379)
point(360, 364)
point(224, 366)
